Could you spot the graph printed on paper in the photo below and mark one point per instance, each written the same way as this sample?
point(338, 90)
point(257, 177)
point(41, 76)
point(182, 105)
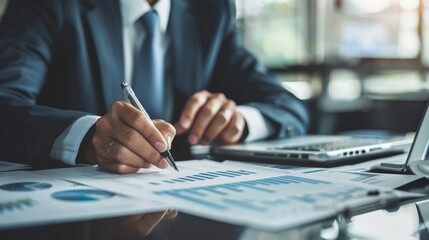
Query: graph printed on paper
point(284, 194)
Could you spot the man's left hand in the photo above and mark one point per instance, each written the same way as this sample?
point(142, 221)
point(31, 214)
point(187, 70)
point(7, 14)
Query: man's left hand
point(211, 117)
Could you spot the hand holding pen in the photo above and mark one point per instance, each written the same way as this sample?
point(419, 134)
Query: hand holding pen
point(136, 103)
point(125, 140)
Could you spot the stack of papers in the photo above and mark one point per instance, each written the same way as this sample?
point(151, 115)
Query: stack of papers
point(258, 197)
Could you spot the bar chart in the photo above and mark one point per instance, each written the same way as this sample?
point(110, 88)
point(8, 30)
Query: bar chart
point(262, 195)
point(204, 176)
point(16, 205)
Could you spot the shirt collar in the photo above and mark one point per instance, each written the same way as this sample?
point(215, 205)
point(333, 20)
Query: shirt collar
point(132, 10)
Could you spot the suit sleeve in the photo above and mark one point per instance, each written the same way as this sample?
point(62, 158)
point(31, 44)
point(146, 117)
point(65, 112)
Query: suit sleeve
point(28, 130)
point(239, 75)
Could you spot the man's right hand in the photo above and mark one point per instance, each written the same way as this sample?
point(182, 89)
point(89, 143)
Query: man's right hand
point(125, 140)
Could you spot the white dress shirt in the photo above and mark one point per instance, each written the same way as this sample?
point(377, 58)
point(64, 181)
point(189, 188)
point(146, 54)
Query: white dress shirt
point(67, 145)
point(133, 33)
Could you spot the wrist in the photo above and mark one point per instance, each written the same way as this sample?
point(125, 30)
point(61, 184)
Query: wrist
point(86, 154)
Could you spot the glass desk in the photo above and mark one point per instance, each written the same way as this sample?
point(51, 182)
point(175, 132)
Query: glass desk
point(406, 222)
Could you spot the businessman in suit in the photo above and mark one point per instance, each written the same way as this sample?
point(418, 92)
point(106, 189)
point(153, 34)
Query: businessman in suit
point(62, 62)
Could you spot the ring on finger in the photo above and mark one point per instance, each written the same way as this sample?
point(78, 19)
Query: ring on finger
point(109, 146)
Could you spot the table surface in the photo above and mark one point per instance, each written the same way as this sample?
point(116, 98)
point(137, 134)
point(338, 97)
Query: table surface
point(404, 222)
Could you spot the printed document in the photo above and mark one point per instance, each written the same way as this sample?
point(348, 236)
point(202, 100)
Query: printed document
point(243, 195)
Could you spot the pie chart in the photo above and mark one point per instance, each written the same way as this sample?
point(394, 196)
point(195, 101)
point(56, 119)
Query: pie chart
point(25, 186)
point(83, 195)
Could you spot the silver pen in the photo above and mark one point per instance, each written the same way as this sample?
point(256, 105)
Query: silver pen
point(136, 103)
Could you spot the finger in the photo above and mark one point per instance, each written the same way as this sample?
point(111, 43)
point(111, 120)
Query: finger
point(144, 225)
point(191, 108)
point(232, 133)
point(138, 133)
point(104, 136)
point(167, 130)
point(138, 121)
point(100, 144)
point(171, 213)
point(120, 168)
point(219, 122)
point(122, 155)
point(205, 116)
point(133, 148)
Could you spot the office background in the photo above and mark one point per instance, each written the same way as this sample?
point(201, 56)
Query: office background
point(358, 64)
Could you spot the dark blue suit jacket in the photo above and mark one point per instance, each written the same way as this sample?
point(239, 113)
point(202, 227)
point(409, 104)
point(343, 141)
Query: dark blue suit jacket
point(63, 59)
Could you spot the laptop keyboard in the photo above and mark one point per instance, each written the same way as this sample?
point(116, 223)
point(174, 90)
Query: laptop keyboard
point(339, 145)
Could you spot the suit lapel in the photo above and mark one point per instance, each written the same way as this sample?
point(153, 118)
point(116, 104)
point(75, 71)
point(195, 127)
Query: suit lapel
point(186, 50)
point(104, 20)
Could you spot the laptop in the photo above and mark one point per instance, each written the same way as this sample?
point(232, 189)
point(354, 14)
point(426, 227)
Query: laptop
point(325, 150)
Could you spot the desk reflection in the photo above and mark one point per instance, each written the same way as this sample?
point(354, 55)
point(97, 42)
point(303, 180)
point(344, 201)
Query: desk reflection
point(406, 222)
point(139, 225)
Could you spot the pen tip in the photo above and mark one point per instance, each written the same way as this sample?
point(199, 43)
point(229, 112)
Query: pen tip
point(124, 85)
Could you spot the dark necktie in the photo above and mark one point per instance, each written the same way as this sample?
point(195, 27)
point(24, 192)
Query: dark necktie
point(148, 70)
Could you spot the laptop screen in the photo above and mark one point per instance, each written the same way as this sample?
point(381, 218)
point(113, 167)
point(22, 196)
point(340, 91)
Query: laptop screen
point(419, 148)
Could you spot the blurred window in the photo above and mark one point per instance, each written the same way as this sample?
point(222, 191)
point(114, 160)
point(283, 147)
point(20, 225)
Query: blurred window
point(344, 85)
point(351, 46)
point(376, 29)
point(271, 29)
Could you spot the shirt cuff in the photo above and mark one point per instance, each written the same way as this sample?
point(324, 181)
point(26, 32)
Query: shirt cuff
point(66, 146)
point(259, 127)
